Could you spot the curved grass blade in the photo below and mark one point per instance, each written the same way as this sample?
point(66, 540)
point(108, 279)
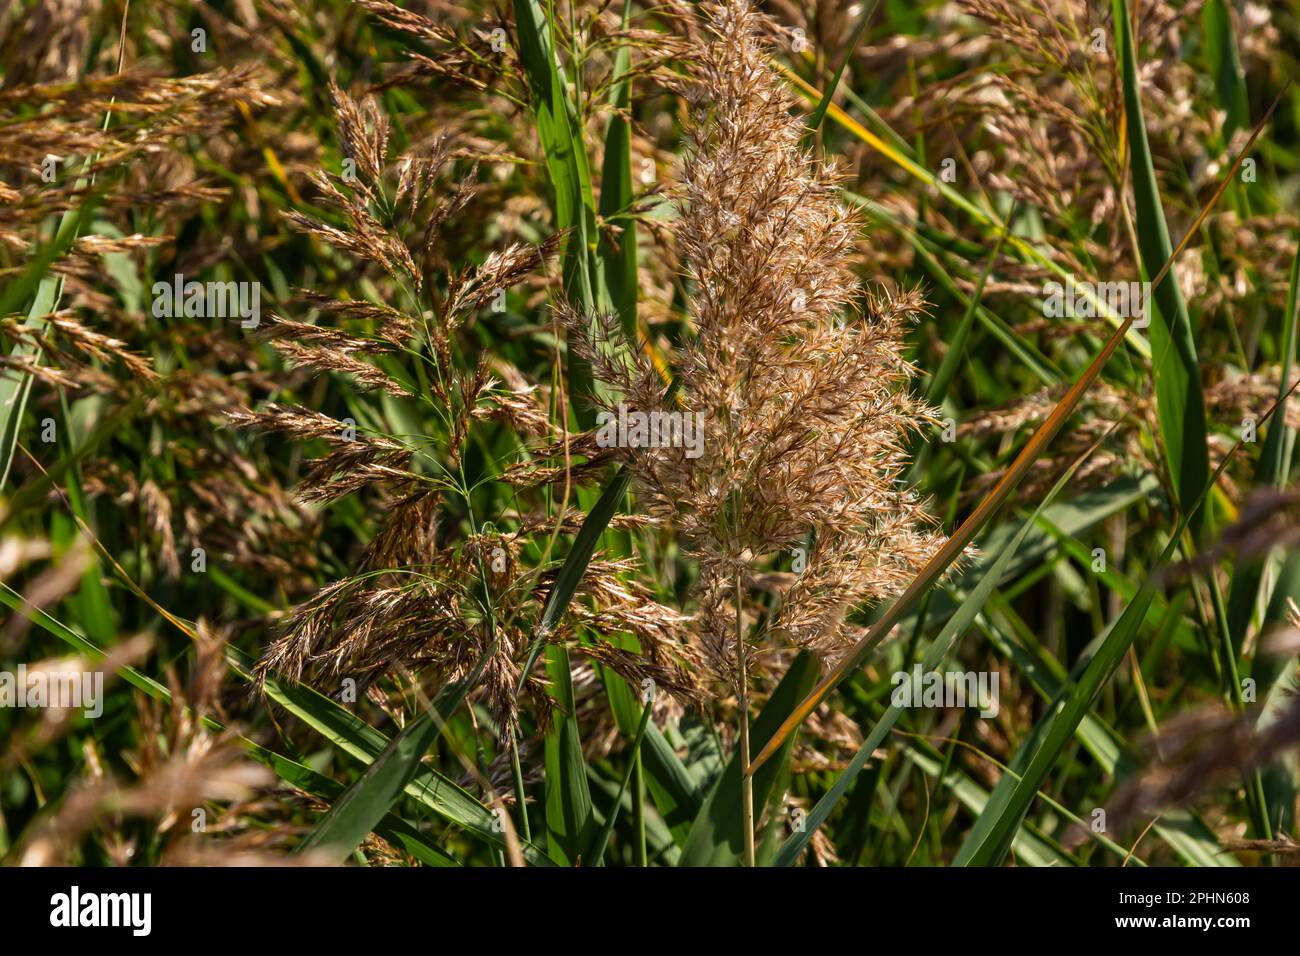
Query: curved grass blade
point(575, 563)
point(670, 783)
point(1032, 847)
point(357, 738)
point(1186, 835)
point(568, 797)
point(364, 804)
point(990, 843)
point(390, 827)
point(570, 821)
point(661, 848)
point(672, 788)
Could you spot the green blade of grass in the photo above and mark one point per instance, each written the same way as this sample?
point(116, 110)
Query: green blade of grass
point(716, 837)
point(819, 114)
point(596, 852)
point(956, 348)
point(987, 844)
point(670, 783)
point(355, 811)
point(1180, 403)
point(568, 805)
point(570, 821)
point(1220, 41)
point(619, 255)
point(1273, 471)
point(566, 157)
point(15, 386)
point(1074, 516)
point(661, 847)
point(575, 563)
point(671, 786)
point(569, 816)
point(364, 804)
point(566, 164)
point(390, 827)
point(1031, 847)
point(1180, 400)
point(1183, 833)
point(90, 602)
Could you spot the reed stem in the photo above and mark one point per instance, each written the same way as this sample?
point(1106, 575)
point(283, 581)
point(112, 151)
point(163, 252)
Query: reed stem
point(742, 681)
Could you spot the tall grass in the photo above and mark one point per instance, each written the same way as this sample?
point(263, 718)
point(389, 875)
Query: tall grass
point(371, 583)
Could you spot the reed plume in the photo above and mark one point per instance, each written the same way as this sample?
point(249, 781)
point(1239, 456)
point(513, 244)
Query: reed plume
point(802, 392)
point(802, 397)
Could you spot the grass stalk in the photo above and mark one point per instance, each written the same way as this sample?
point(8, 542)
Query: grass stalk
point(517, 776)
point(742, 702)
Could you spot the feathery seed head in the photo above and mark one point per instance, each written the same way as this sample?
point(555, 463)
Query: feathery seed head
point(804, 399)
